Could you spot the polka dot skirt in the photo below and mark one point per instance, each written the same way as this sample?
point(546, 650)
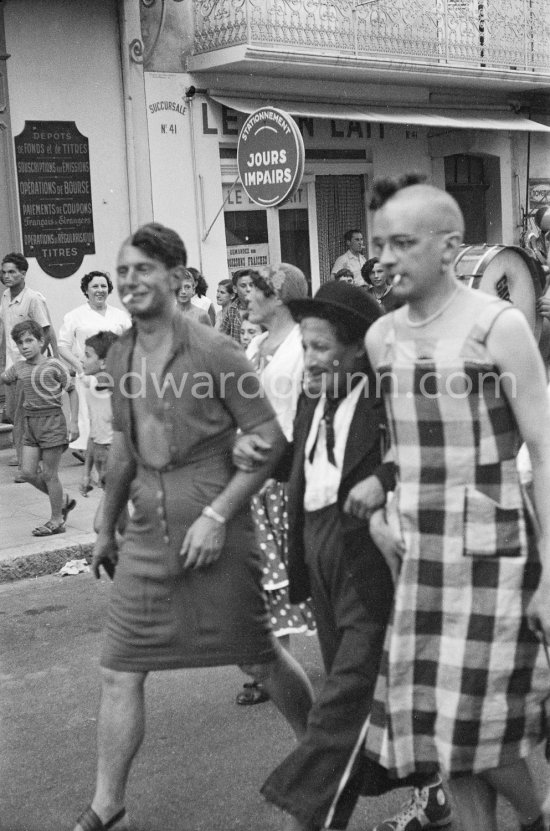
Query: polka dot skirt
point(269, 509)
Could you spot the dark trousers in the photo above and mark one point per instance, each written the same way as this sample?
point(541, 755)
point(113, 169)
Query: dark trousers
point(306, 782)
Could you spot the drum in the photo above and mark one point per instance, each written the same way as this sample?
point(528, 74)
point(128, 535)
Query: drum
point(506, 271)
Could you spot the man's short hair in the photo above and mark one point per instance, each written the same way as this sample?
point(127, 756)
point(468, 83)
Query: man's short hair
point(27, 327)
point(101, 343)
point(160, 243)
point(18, 260)
point(348, 235)
point(384, 189)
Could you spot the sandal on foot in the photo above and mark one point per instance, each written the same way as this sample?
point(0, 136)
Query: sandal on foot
point(68, 505)
point(251, 694)
point(49, 529)
point(89, 820)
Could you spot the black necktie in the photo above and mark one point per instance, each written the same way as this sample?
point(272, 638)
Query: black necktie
point(331, 405)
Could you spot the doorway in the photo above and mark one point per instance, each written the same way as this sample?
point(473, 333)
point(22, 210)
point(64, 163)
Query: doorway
point(466, 180)
point(340, 207)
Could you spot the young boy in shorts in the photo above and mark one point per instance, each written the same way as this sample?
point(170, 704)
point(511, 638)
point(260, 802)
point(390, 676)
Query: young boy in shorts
point(45, 435)
point(98, 399)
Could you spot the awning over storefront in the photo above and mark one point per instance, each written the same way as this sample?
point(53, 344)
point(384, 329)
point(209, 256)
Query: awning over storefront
point(451, 119)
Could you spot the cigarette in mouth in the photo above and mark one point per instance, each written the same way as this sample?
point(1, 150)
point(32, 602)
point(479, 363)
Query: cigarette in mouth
point(396, 279)
point(127, 297)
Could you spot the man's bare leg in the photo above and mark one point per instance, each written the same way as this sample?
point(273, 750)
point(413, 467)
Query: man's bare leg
point(475, 801)
point(287, 685)
point(120, 731)
point(515, 783)
point(292, 824)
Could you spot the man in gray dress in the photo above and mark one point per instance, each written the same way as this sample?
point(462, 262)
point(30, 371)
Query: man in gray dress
point(187, 588)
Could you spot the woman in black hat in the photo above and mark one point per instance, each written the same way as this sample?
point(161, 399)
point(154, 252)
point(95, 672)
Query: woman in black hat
point(337, 447)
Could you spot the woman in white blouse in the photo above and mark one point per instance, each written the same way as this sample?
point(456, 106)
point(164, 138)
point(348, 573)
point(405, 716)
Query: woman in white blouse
point(277, 355)
point(94, 316)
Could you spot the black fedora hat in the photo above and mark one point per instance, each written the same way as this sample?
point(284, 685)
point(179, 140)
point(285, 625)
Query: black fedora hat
point(341, 302)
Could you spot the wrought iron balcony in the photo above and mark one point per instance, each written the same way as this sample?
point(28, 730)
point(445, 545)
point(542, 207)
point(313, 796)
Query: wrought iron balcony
point(507, 35)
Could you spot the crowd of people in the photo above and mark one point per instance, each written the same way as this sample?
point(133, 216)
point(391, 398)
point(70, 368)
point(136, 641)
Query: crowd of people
point(350, 471)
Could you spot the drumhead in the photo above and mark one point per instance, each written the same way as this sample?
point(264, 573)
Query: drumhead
point(505, 271)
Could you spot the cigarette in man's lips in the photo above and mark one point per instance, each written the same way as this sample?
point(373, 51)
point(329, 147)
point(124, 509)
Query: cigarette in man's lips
point(127, 297)
point(396, 280)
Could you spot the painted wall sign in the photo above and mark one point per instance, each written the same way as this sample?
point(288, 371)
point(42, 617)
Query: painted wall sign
point(270, 156)
point(55, 195)
point(539, 194)
point(247, 256)
point(236, 199)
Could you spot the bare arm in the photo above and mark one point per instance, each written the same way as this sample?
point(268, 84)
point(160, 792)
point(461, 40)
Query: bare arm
point(120, 473)
point(52, 340)
point(73, 403)
point(524, 383)
point(204, 540)
point(67, 355)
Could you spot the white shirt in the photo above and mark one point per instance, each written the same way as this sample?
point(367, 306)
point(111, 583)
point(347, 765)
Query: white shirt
point(323, 478)
point(354, 262)
point(99, 410)
point(83, 322)
point(282, 376)
point(28, 304)
point(201, 302)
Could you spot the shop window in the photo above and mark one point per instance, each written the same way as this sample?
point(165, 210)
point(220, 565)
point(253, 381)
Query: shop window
point(294, 232)
point(245, 227)
point(246, 239)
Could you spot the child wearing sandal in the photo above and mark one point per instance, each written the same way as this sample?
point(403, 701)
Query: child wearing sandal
point(45, 435)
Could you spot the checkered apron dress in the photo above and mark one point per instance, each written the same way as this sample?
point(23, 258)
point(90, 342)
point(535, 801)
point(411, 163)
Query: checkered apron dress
point(462, 679)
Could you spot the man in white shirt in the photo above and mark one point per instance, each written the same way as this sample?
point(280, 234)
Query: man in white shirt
point(353, 258)
point(18, 303)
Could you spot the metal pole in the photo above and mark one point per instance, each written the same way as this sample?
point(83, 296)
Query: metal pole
point(221, 209)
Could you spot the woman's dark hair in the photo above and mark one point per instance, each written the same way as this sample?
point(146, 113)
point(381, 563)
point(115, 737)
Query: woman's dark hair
point(87, 279)
point(201, 286)
point(228, 286)
point(344, 272)
point(160, 243)
point(368, 268)
point(384, 189)
point(261, 283)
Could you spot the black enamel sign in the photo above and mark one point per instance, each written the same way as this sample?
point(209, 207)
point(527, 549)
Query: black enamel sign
point(55, 195)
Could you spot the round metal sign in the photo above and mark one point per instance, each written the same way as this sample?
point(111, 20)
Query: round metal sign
point(270, 157)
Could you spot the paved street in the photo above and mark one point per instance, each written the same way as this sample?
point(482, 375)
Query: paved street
point(203, 760)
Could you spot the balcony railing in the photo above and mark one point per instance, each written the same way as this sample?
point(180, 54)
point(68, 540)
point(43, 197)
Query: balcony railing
point(493, 34)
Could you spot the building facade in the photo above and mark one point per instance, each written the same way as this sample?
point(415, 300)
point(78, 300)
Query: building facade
point(74, 164)
point(457, 89)
point(155, 92)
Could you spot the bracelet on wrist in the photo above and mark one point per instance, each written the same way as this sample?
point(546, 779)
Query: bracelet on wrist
point(209, 511)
